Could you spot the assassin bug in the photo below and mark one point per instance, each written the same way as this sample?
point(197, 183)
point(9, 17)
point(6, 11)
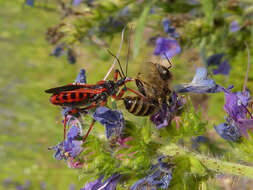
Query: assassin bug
point(83, 97)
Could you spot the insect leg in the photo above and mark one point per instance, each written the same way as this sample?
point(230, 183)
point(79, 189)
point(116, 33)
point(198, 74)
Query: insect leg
point(116, 75)
point(88, 132)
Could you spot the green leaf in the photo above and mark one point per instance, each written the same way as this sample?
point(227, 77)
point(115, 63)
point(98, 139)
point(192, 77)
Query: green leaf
point(140, 28)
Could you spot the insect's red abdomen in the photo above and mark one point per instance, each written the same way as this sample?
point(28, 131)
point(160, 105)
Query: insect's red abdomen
point(65, 98)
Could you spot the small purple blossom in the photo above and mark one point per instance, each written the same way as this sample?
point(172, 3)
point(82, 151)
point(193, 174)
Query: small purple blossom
point(215, 59)
point(228, 130)
point(72, 186)
point(76, 2)
point(167, 112)
point(58, 151)
point(81, 78)
point(30, 2)
point(200, 84)
point(169, 29)
point(71, 57)
point(109, 184)
point(223, 68)
point(112, 120)
point(236, 104)
point(72, 146)
point(234, 26)
point(58, 50)
point(166, 46)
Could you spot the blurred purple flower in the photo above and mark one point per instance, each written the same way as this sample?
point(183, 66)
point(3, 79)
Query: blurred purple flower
point(166, 46)
point(76, 2)
point(200, 84)
point(215, 59)
point(160, 177)
point(109, 184)
point(58, 50)
point(223, 68)
point(72, 186)
point(43, 185)
point(169, 29)
point(71, 57)
point(228, 130)
point(167, 112)
point(234, 26)
point(112, 120)
point(30, 2)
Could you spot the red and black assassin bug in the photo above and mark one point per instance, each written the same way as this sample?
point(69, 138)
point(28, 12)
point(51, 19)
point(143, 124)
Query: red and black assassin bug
point(82, 97)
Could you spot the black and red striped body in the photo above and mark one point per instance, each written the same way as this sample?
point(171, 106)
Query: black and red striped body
point(73, 99)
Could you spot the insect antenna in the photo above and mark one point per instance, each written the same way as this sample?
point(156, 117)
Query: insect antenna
point(117, 61)
point(168, 60)
point(128, 50)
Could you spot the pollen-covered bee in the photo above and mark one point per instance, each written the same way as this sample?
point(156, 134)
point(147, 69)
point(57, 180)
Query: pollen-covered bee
point(154, 86)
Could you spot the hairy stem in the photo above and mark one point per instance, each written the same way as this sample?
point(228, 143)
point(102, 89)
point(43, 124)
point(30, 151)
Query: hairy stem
point(213, 164)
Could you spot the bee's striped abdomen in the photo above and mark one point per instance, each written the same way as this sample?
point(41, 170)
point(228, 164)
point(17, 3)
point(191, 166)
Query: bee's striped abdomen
point(139, 107)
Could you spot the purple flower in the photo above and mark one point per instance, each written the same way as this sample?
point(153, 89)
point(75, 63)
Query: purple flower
point(234, 26)
point(71, 57)
point(159, 177)
point(169, 29)
point(72, 186)
point(30, 2)
point(43, 185)
point(167, 112)
point(81, 78)
point(58, 50)
point(58, 151)
point(109, 184)
point(244, 125)
point(236, 104)
point(223, 68)
point(76, 2)
point(72, 146)
point(200, 84)
point(228, 130)
point(112, 120)
point(69, 147)
point(166, 46)
point(215, 59)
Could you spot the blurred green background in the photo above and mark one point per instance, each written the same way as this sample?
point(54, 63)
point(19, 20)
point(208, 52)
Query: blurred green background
point(29, 124)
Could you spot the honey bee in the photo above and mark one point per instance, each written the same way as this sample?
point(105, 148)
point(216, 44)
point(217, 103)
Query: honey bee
point(154, 86)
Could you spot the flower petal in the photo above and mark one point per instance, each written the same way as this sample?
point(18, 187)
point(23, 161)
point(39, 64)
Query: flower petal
point(166, 46)
point(112, 120)
point(200, 84)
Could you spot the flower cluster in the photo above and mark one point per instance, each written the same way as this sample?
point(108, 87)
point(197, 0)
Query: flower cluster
point(59, 50)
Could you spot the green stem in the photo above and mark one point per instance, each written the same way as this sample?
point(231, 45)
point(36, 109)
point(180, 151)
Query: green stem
point(213, 164)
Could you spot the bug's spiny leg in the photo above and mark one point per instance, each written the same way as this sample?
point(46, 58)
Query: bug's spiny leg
point(88, 132)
